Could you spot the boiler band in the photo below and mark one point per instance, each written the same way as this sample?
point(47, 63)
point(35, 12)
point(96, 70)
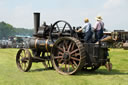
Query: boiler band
point(40, 43)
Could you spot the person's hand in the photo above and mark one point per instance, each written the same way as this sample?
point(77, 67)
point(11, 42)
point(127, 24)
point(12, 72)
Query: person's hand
point(94, 30)
point(80, 30)
point(76, 30)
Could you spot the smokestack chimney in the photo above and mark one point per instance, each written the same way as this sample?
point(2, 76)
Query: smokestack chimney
point(36, 22)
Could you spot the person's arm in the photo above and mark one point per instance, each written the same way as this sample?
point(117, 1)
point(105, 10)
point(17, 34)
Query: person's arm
point(95, 26)
point(103, 25)
point(80, 30)
point(88, 27)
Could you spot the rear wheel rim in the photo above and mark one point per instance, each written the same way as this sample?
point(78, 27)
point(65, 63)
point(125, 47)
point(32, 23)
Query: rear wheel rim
point(68, 57)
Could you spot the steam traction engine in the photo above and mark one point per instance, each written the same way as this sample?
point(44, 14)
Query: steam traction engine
point(58, 46)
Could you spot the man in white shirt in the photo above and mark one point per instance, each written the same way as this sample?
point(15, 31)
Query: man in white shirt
point(98, 28)
point(86, 29)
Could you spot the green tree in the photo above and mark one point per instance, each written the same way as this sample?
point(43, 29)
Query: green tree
point(7, 30)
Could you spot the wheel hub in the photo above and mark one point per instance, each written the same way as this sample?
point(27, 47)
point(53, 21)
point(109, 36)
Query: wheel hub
point(66, 56)
point(24, 60)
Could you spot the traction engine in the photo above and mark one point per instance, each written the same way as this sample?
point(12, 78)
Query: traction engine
point(60, 47)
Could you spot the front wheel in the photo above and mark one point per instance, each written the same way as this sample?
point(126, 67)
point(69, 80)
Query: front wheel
point(23, 60)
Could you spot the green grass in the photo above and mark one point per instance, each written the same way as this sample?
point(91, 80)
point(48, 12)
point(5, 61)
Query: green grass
point(11, 75)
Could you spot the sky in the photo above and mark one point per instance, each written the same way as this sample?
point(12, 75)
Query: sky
point(19, 13)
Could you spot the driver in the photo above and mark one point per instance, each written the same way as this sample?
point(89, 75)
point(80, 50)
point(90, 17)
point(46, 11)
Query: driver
point(86, 29)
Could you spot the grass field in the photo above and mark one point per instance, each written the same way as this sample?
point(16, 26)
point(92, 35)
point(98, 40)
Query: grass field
point(10, 75)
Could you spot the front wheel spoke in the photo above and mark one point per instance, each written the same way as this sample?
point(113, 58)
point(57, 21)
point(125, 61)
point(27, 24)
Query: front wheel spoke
point(27, 63)
point(20, 59)
point(24, 66)
point(76, 59)
point(21, 56)
point(21, 64)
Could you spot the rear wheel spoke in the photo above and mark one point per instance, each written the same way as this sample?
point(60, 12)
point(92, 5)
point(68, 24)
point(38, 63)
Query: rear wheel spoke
point(74, 51)
point(76, 54)
point(72, 65)
point(60, 53)
point(69, 46)
point(75, 63)
point(76, 59)
point(60, 60)
point(68, 67)
point(61, 49)
point(72, 46)
point(64, 48)
point(58, 57)
point(66, 45)
point(65, 67)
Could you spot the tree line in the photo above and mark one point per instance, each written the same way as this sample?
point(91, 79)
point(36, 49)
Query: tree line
point(7, 30)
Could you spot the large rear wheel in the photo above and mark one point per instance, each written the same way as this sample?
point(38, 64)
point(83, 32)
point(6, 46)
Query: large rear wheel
point(68, 55)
